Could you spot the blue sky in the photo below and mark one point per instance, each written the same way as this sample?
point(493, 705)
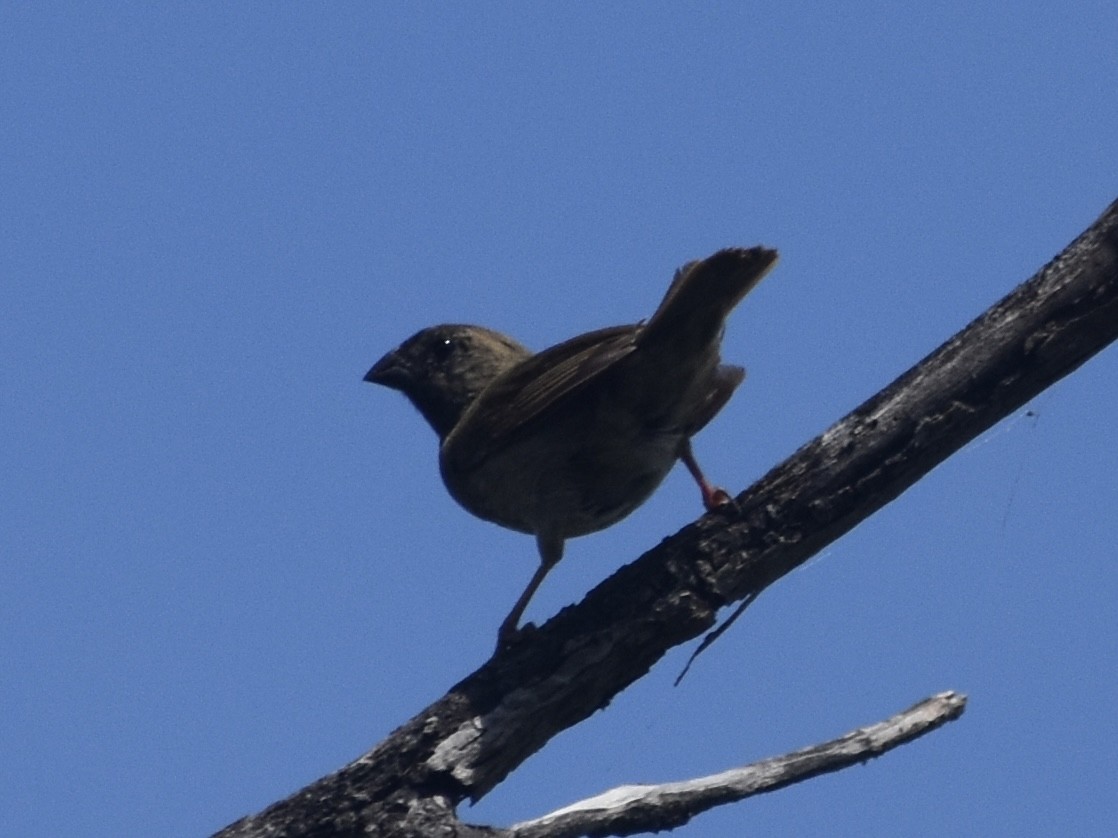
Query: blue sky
point(229, 566)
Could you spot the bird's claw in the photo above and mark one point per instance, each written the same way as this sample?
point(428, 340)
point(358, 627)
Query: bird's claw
point(715, 497)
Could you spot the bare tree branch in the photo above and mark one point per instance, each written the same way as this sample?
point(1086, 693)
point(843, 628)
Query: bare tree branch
point(630, 810)
point(554, 677)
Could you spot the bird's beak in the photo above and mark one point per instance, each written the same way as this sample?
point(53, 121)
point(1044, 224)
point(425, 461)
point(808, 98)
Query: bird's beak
point(389, 371)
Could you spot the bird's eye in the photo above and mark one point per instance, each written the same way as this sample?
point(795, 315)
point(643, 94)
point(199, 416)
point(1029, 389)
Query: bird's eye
point(444, 348)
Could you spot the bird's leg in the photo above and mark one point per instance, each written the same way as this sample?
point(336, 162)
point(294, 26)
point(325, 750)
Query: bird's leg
point(713, 497)
point(551, 551)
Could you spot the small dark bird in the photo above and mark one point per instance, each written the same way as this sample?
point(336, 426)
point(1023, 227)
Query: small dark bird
point(572, 439)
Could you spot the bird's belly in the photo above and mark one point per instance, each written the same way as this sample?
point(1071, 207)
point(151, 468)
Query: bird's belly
point(569, 489)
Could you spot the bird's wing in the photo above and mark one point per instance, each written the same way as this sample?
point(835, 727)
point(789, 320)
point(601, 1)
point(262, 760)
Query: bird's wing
point(520, 394)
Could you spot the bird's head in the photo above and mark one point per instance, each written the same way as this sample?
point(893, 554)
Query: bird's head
point(442, 369)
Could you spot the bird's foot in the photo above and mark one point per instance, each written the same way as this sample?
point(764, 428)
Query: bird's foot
point(509, 635)
point(713, 496)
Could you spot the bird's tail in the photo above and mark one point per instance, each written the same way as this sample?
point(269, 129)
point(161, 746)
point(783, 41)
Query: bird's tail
point(704, 293)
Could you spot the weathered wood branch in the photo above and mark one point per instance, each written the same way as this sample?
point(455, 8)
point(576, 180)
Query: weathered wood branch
point(630, 810)
point(554, 677)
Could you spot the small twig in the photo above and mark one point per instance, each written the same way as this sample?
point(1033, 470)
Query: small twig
point(628, 810)
point(716, 633)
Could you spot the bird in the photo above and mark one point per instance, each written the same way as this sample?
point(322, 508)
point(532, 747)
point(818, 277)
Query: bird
point(570, 440)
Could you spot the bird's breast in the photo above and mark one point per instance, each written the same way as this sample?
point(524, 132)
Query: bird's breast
point(569, 485)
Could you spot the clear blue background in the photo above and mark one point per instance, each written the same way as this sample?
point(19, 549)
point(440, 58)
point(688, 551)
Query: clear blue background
point(229, 566)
